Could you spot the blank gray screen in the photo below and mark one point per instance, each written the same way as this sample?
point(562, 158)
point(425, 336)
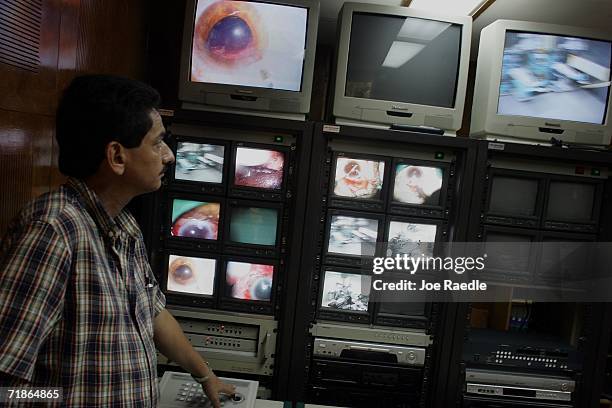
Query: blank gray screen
point(512, 195)
point(570, 201)
point(403, 59)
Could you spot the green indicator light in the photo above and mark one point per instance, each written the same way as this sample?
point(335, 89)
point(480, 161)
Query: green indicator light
point(595, 172)
point(439, 155)
point(278, 139)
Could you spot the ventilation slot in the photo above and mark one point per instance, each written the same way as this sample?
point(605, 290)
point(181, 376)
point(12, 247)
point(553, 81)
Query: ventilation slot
point(20, 22)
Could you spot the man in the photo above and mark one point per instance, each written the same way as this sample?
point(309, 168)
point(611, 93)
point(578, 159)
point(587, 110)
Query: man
point(79, 306)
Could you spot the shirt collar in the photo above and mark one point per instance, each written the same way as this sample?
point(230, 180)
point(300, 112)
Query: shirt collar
point(112, 227)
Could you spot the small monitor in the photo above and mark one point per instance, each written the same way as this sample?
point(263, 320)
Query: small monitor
point(352, 235)
point(199, 162)
point(411, 238)
point(383, 55)
point(571, 201)
point(345, 295)
point(195, 220)
point(509, 253)
point(249, 281)
point(253, 225)
point(259, 168)
point(191, 275)
point(514, 196)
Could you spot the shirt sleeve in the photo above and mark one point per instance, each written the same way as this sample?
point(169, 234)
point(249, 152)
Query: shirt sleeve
point(34, 270)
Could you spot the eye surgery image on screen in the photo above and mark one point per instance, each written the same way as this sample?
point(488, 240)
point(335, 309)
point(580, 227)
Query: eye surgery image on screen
point(353, 235)
point(191, 275)
point(195, 219)
point(199, 162)
point(259, 168)
point(253, 225)
point(411, 239)
point(417, 184)
point(249, 44)
point(249, 281)
point(358, 178)
point(555, 77)
point(344, 291)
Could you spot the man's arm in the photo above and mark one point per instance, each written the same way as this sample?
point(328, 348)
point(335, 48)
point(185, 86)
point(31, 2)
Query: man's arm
point(172, 343)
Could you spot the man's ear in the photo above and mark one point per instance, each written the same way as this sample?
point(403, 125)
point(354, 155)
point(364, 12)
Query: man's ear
point(115, 157)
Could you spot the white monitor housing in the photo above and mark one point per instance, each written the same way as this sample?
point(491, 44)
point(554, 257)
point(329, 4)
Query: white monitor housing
point(535, 81)
point(397, 65)
point(252, 56)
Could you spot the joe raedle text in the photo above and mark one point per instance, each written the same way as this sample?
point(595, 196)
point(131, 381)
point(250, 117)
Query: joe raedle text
point(446, 285)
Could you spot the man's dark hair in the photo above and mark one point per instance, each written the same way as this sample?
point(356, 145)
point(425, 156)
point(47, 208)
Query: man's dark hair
point(95, 110)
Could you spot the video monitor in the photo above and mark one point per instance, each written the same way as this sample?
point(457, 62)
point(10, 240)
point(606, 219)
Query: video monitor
point(194, 221)
point(344, 292)
point(410, 313)
point(352, 234)
point(510, 253)
point(249, 285)
point(514, 199)
point(419, 188)
point(572, 202)
point(565, 259)
point(259, 172)
point(200, 163)
point(358, 182)
point(193, 275)
point(412, 238)
point(253, 225)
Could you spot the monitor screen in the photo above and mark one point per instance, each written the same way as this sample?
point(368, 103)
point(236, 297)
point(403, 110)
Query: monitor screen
point(199, 162)
point(259, 168)
point(195, 219)
point(253, 225)
point(508, 252)
point(389, 54)
point(352, 235)
point(570, 201)
point(346, 291)
point(249, 281)
point(417, 184)
point(355, 178)
point(513, 195)
point(191, 275)
point(247, 43)
point(555, 77)
point(411, 239)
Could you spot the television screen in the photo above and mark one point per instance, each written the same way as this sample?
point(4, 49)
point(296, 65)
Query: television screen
point(513, 195)
point(411, 239)
point(352, 235)
point(389, 54)
point(570, 201)
point(555, 77)
point(195, 219)
point(248, 43)
point(199, 162)
point(417, 184)
point(249, 281)
point(508, 252)
point(259, 168)
point(346, 291)
point(356, 178)
point(191, 275)
point(253, 225)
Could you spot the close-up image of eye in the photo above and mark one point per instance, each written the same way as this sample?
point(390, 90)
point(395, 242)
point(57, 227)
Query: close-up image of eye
point(417, 184)
point(195, 219)
point(259, 168)
point(249, 43)
point(249, 281)
point(358, 178)
point(191, 275)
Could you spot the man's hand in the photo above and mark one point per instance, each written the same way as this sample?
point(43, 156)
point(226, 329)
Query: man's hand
point(214, 386)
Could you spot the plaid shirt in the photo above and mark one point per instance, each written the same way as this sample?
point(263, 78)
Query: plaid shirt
point(77, 301)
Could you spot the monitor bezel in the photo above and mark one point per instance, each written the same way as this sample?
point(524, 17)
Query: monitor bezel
point(184, 298)
point(244, 305)
point(425, 210)
point(359, 204)
point(237, 191)
point(191, 186)
point(334, 258)
point(487, 123)
point(238, 248)
point(511, 276)
point(501, 218)
point(337, 314)
point(239, 96)
point(374, 110)
point(193, 243)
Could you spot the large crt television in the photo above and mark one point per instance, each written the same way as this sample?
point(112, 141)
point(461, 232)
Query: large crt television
point(538, 81)
point(249, 55)
point(401, 66)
